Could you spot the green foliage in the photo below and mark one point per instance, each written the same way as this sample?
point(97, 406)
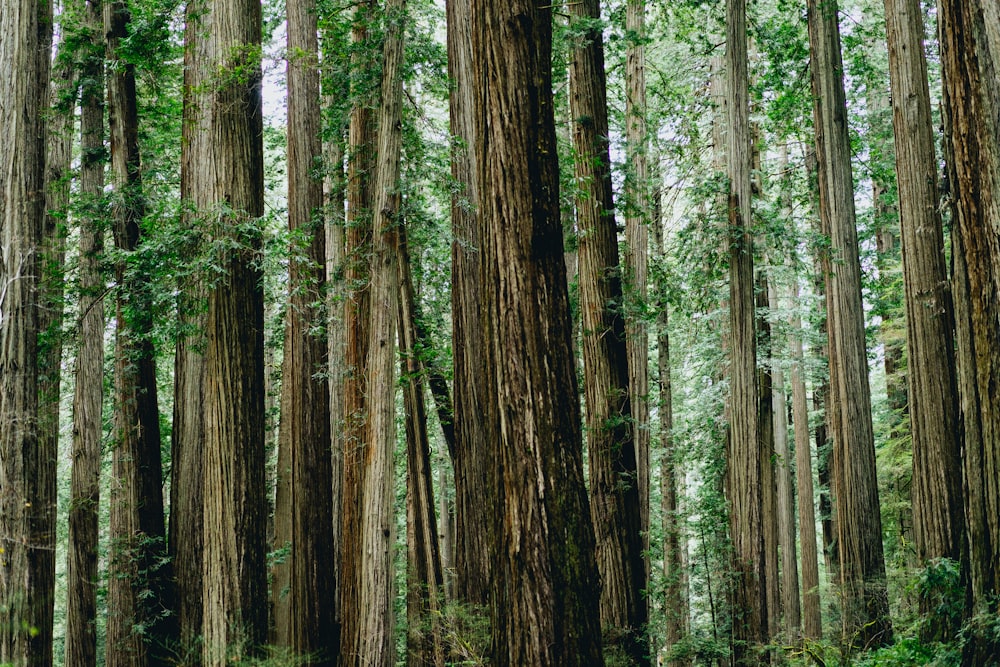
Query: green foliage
point(466, 632)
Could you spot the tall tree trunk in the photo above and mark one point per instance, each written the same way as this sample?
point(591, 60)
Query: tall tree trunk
point(545, 590)
point(474, 417)
point(812, 627)
point(375, 644)
point(821, 392)
point(637, 220)
point(790, 606)
point(889, 294)
point(304, 601)
point(614, 487)
point(865, 612)
point(88, 392)
point(768, 476)
point(27, 471)
point(51, 315)
point(425, 580)
point(744, 463)
point(970, 58)
point(138, 588)
point(676, 601)
point(335, 191)
point(228, 199)
point(186, 539)
point(939, 521)
point(357, 260)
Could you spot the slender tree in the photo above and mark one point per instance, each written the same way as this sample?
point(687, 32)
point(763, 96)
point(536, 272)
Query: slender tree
point(138, 585)
point(57, 198)
point(375, 644)
point(865, 611)
point(636, 259)
point(970, 42)
point(614, 486)
point(356, 304)
point(791, 611)
point(27, 472)
point(474, 417)
point(939, 522)
point(676, 602)
point(545, 585)
point(304, 588)
point(425, 580)
point(745, 485)
point(88, 390)
point(186, 539)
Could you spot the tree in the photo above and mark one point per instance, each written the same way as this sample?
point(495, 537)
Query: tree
point(425, 579)
point(57, 198)
point(676, 602)
point(745, 483)
point(138, 588)
point(228, 199)
point(375, 645)
point(939, 522)
point(544, 588)
point(969, 44)
point(790, 605)
point(357, 317)
point(474, 417)
point(637, 210)
point(305, 589)
point(88, 392)
point(187, 500)
point(614, 485)
point(27, 472)
point(865, 612)
point(811, 611)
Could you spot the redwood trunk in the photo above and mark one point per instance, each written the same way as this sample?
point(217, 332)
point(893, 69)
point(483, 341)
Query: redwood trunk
point(614, 483)
point(745, 468)
point(939, 522)
point(88, 392)
point(304, 586)
point(545, 587)
point(138, 588)
point(865, 611)
point(228, 199)
point(474, 417)
point(27, 472)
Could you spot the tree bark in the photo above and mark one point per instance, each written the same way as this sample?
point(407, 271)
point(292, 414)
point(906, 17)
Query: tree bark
point(88, 392)
point(637, 220)
point(545, 590)
point(474, 417)
point(27, 472)
point(768, 474)
point(676, 600)
point(357, 260)
point(939, 522)
point(228, 199)
point(744, 463)
point(614, 485)
point(375, 644)
point(865, 612)
point(970, 44)
point(62, 107)
point(425, 579)
point(305, 588)
point(790, 606)
point(186, 539)
point(138, 582)
point(812, 627)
